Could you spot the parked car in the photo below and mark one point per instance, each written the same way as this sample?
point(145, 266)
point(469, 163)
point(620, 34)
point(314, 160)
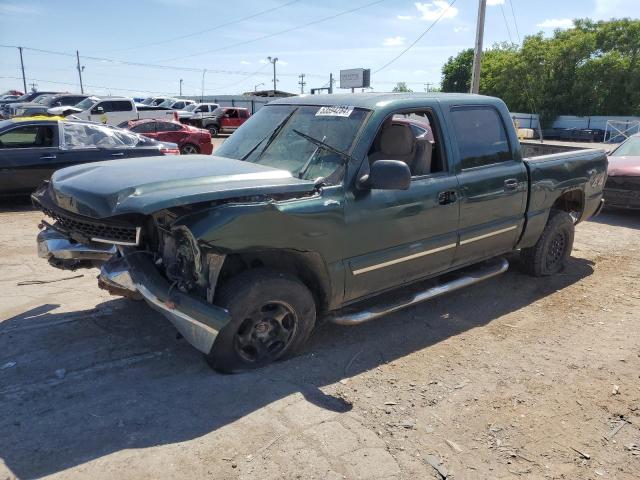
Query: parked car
point(32, 148)
point(223, 120)
point(175, 103)
point(315, 207)
point(46, 102)
point(153, 101)
point(189, 139)
point(111, 110)
point(622, 189)
point(8, 97)
point(11, 93)
point(196, 112)
point(7, 107)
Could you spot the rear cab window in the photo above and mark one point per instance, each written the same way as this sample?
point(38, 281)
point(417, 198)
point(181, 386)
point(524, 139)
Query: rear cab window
point(481, 136)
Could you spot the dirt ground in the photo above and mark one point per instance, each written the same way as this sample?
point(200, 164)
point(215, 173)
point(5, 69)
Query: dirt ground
point(516, 377)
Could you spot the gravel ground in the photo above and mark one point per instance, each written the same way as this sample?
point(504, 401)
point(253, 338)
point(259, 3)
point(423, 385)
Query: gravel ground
point(516, 377)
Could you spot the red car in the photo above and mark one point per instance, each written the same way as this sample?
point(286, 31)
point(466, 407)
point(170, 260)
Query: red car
point(622, 189)
point(189, 139)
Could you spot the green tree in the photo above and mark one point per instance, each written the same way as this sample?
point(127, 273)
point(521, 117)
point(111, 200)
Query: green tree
point(401, 87)
point(590, 69)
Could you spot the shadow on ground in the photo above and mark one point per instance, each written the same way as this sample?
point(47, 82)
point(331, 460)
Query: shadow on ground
point(619, 218)
point(16, 204)
point(89, 383)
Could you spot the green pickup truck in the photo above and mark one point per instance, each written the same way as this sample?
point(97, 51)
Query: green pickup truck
point(336, 207)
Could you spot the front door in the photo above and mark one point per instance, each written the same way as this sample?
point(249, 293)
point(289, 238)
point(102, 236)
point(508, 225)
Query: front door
point(28, 156)
point(493, 184)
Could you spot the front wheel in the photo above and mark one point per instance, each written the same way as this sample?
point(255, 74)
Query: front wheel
point(272, 315)
point(550, 253)
point(214, 130)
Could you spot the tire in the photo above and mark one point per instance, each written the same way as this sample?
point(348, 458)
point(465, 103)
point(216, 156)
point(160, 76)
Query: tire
point(189, 149)
point(213, 130)
point(255, 336)
point(549, 255)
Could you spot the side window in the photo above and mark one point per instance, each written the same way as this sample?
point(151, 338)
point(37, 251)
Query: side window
point(482, 138)
point(410, 138)
point(232, 112)
point(147, 127)
point(244, 114)
point(178, 105)
point(34, 136)
point(166, 127)
point(102, 105)
point(121, 106)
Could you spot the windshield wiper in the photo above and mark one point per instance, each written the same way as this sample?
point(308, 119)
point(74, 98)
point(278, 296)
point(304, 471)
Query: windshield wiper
point(269, 138)
point(320, 144)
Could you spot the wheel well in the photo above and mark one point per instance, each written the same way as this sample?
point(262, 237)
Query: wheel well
point(308, 267)
point(571, 202)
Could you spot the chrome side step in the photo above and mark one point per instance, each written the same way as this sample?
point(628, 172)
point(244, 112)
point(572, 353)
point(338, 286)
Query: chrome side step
point(474, 274)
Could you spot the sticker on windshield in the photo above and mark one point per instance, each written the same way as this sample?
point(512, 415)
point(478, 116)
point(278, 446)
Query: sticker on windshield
point(334, 111)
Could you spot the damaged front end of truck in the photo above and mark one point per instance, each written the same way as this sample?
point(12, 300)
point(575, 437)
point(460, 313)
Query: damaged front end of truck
point(155, 255)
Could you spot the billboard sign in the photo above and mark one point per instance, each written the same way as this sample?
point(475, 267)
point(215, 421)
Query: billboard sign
point(355, 78)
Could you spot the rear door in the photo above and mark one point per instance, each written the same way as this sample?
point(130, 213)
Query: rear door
point(492, 183)
point(28, 156)
point(171, 132)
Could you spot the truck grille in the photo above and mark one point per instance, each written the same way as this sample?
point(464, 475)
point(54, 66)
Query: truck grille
point(96, 231)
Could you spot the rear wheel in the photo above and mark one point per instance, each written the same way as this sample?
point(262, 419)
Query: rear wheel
point(189, 149)
point(549, 255)
point(272, 315)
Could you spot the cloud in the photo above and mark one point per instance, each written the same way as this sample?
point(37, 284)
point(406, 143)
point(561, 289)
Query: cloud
point(262, 60)
point(435, 9)
point(393, 41)
point(15, 9)
point(282, 62)
point(460, 29)
point(244, 62)
point(405, 17)
point(493, 3)
point(556, 23)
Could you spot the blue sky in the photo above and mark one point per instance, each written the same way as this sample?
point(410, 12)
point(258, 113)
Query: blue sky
point(148, 31)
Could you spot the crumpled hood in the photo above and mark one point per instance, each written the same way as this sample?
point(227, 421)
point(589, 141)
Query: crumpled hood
point(624, 166)
point(148, 184)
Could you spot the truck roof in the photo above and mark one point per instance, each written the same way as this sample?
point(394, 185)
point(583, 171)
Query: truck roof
point(374, 101)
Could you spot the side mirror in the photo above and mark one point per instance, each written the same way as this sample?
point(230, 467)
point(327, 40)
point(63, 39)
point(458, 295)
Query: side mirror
point(387, 175)
point(98, 110)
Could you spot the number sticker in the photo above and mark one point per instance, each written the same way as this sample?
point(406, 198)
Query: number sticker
point(334, 111)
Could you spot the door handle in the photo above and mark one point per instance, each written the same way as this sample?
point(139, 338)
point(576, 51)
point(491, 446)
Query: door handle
point(511, 184)
point(117, 154)
point(48, 157)
point(445, 198)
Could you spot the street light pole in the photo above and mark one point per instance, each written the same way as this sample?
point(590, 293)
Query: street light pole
point(255, 87)
point(273, 61)
point(202, 92)
point(180, 87)
point(24, 79)
point(79, 71)
point(477, 53)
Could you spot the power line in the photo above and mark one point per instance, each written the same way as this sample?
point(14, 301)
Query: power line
point(515, 22)
point(417, 39)
point(264, 37)
point(200, 32)
point(87, 85)
point(506, 24)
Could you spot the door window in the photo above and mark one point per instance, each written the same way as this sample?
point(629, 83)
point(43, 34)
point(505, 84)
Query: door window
point(244, 114)
point(147, 127)
point(33, 136)
point(168, 127)
point(120, 106)
point(231, 113)
point(79, 135)
point(482, 138)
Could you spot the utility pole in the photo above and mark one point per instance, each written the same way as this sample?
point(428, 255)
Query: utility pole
point(427, 87)
point(331, 83)
point(202, 92)
point(24, 79)
point(180, 87)
point(302, 83)
point(80, 71)
point(477, 54)
point(33, 86)
point(273, 61)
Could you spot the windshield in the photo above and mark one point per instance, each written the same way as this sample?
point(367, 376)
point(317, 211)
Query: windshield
point(157, 101)
point(270, 138)
point(87, 103)
point(41, 99)
point(147, 101)
point(87, 135)
point(191, 107)
point(168, 102)
point(630, 148)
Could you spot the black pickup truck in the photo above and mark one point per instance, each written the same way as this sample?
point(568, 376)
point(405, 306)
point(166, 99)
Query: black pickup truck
point(329, 207)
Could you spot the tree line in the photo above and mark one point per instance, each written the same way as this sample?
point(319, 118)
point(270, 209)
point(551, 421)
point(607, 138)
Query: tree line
point(590, 69)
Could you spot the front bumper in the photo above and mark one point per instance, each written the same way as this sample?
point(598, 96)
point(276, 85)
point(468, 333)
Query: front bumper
point(131, 272)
